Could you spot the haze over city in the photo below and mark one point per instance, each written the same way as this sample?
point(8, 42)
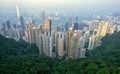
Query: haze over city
point(59, 36)
point(78, 5)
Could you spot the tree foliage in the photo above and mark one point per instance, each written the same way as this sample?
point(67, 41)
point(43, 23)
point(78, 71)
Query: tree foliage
point(22, 58)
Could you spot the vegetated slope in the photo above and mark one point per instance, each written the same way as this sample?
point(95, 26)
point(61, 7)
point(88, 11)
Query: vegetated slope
point(22, 58)
point(10, 47)
point(109, 49)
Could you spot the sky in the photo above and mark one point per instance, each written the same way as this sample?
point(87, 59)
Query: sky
point(80, 5)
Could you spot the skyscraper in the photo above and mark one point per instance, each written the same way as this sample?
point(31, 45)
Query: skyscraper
point(47, 44)
point(74, 47)
point(18, 14)
point(8, 25)
point(33, 32)
point(81, 49)
point(69, 35)
point(60, 48)
point(20, 17)
point(22, 25)
point(75, 26)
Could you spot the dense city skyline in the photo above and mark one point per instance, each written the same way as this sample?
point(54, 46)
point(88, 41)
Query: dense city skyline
point(59, 37)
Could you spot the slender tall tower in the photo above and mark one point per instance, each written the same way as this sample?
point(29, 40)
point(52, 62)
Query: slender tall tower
point(18, 12)
point(20, 17)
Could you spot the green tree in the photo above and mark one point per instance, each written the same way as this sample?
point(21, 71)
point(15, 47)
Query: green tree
point(103, 71)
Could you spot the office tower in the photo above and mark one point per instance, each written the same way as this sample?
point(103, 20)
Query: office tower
point(22, 22)
point(8, 25)
point(102, 29)
point(18, 14)
point(69, 35)
point(60, 48)
point(74, 46)
point(75, 26)
point(20, 18)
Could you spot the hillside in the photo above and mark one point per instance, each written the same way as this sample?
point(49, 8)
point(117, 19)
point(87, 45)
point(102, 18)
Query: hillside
point(109, 49)
point(10, 47)
point(22, 58)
